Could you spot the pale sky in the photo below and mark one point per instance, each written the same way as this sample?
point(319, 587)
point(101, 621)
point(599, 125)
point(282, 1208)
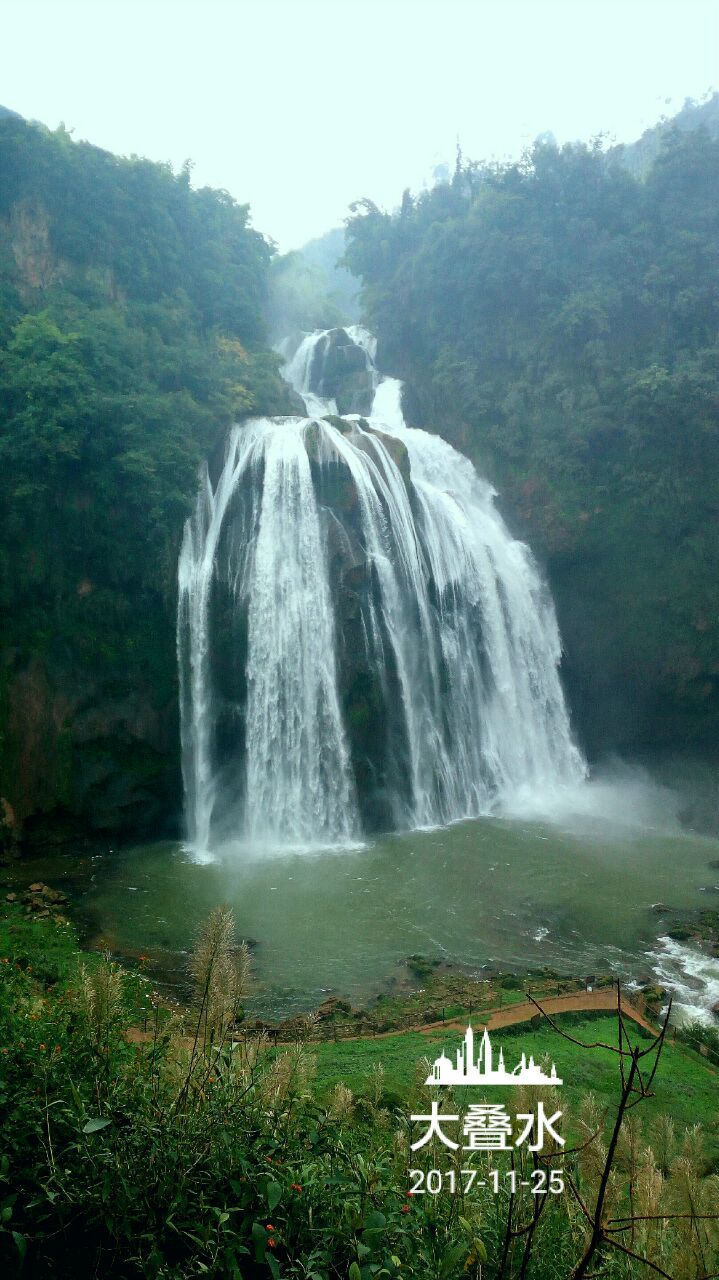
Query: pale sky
point(300, 107)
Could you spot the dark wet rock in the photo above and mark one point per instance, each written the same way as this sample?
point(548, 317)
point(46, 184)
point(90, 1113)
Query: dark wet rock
point(41, 901)
point(10, 831)
point(313, 442)
point(412, 409)
point(340, 372)
point(341, 424)
point(88, 756)
point(296, 403)
point(397, 451)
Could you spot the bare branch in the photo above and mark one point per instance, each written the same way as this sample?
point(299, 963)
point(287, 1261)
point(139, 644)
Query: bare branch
point(580, 1202)
point(573, 1151)
point(638, 1258)
point(666, 1217)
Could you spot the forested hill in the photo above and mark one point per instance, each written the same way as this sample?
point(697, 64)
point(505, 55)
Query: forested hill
point(639, 156)
point(558, 319)
point(131, 334)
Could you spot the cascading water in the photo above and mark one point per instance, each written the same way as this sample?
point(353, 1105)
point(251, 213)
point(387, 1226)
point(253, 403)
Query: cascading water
point(361, 642)
point(295, 776)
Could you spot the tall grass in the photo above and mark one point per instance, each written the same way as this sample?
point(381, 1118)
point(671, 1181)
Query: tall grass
point(194, 1151)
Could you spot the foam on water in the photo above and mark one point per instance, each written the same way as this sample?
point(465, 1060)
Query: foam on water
point(692, 978)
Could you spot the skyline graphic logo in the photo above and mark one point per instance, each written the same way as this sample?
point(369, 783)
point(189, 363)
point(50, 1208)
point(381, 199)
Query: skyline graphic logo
point(481, 1070)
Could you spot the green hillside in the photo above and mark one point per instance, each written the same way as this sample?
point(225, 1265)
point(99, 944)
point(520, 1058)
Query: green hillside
point(131, 334)
point(557, 319)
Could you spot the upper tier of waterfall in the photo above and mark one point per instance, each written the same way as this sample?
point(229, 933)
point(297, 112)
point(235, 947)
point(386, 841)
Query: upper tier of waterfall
point(361, 642)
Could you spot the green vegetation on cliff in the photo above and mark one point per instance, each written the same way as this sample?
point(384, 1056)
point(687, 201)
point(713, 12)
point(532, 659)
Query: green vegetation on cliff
point(131, 334)
point(558, 319)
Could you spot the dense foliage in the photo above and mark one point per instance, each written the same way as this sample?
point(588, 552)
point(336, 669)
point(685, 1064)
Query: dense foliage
point(187, 1151)
point(131, 334)
point(559, 318)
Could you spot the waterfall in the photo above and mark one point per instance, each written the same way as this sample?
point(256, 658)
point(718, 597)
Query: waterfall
point(295, 779)
point(361, 642)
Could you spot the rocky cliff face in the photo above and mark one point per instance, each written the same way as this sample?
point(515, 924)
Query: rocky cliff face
point(85, 758)
point(340, 373)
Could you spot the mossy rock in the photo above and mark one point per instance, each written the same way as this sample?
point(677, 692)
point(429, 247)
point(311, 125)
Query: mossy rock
point(654, 994)
point(680, 933)
point(341, 424)
point(397, 451)
point(422, 966)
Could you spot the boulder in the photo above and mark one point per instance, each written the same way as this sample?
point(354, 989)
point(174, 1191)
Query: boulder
point(340, 372)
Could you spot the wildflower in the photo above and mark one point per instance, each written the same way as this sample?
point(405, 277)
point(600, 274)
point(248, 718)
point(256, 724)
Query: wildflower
point(6, 960)
point(271, 1244)
point(405, 1208)
point(269, 1227)
point(42, 1046)
point(296, 1187)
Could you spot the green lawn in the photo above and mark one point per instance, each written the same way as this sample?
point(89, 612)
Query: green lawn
point(686, 1086)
